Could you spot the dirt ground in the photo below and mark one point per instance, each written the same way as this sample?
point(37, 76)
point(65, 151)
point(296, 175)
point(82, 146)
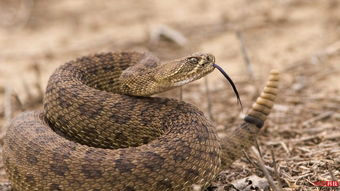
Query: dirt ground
point(300, 38)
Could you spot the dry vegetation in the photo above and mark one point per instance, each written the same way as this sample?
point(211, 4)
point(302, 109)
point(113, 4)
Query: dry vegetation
point(301, 38)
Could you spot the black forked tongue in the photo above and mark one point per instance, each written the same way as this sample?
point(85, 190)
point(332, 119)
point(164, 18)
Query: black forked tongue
point(231, 83)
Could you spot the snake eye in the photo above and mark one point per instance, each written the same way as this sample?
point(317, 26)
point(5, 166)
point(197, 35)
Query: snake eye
point(193, 60)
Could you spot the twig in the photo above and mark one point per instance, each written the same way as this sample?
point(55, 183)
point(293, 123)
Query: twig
point(255, 164)
point(330, 172)
point(167, 33)
point(258, 147)
point(264, 170)
point(284, 146)
point(250, 160)
point(27, 90)
point(302, 176)
point(276, 171)
point(37, 70)
point(321, 116)
point(207, 94)
point(245, 55)
point(18, 101)
point(306, 138)
point(332, 136)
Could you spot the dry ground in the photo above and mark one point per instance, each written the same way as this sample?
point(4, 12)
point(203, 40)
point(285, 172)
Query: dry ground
point(301, 38)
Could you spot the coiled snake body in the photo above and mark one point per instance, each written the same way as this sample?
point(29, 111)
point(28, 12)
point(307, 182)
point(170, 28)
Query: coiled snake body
point(99, 131)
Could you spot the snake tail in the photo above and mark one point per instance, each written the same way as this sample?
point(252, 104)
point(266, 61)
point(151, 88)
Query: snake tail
point(244, 136)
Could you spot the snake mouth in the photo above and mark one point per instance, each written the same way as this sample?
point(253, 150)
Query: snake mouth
point(195, 75)
point(230, 82)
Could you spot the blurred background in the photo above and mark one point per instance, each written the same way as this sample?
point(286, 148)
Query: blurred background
point(249, 38)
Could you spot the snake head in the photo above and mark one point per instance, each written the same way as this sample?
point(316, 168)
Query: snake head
point(184, 70)
point(149, 76)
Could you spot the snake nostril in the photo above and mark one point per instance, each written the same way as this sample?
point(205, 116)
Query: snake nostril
point(210, 58)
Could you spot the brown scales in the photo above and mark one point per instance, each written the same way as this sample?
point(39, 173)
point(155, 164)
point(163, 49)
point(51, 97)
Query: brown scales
point(107, 141)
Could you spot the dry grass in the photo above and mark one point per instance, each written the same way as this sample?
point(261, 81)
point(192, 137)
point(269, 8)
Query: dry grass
point(301, 141)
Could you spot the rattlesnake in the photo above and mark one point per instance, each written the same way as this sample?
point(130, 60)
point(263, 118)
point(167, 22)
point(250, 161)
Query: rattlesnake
point(100, 131)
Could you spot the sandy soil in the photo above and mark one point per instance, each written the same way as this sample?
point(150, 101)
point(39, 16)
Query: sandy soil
point(299, 38)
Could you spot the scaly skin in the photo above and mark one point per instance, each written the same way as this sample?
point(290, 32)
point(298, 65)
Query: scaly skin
point(91, 137)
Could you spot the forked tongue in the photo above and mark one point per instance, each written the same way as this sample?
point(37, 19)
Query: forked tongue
point(231, 83)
